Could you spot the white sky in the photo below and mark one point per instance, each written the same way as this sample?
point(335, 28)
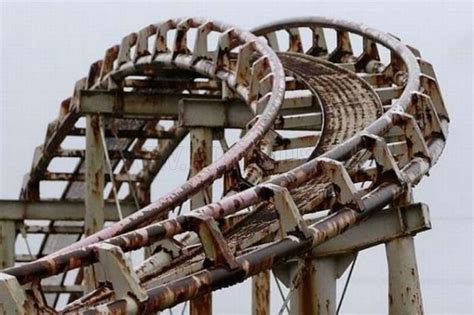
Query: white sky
point(46, 47)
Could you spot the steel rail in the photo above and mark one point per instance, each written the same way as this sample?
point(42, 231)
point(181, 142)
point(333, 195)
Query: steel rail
point(208, 68)
point(165, 296)
point(108, 73)
point(218, 277)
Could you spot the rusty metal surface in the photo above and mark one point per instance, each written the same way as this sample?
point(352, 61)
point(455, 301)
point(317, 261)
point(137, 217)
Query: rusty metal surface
point(261, 293)
point(264, 221)
point(214, 70)
point(102, 73)
point(348, 103)
point(235, 245)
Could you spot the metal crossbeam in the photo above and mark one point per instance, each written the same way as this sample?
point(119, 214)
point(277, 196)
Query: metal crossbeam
point(62, 210)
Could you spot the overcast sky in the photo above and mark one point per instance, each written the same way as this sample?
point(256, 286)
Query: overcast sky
point(46, 48)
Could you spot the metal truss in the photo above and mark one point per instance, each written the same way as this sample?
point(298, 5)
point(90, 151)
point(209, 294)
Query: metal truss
point(368, 130)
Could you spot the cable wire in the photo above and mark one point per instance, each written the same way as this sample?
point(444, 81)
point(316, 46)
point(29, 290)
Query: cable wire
point(346, 284)
point(111, 170)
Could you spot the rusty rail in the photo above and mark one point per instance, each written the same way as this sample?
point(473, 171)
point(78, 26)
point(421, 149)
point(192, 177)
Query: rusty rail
point(417, 117)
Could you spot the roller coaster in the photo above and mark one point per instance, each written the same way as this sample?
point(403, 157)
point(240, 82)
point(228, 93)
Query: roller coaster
point(337, 123)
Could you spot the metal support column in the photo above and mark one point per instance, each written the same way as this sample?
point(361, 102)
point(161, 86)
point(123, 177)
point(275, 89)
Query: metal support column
point(94, 187)
point(261, 293)
point(404, 286)
point(7, 243)
point(316, 291)
point(201, 156)
point(144, 199)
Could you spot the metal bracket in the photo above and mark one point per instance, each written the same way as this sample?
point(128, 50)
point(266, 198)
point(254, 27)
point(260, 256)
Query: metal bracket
point(291, 221)
point(243, 72)
point(161, 38)
point(76, 96)
point(233, 181)
point(272, 41)
point(170, 246)
point(370, 54)
point(414, 50)
point(346, 192)
point(36, 299)
point(119, 272)
point(108, 61)
point(125, 47)
point(260, 69)
point(430, 87)
point(415, 142)
point(217, 251)
point(396, 71)
point(386, 164)
point(258, 164)
point(426, 67)
point(319, 46)
point(142, 48)
point(94, 72)
point(180, 43)
point(12, 296)
point(265, 87)
point(343, 48)
point(295, 43)
point(224, 47)
point(422, 108)
point(200, 50)
point(261, 159)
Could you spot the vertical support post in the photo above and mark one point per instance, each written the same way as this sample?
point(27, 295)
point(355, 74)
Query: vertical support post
point(144, 199)
point(143, 194)
point(7, 243)
point(94, 198)
point(202, 305)
point(261, 293)
point(94, 187)
point(316, 292)
point(404, 285)
point(201, 156)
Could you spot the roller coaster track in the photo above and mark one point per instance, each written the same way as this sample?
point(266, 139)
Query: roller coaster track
point(371, 130)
